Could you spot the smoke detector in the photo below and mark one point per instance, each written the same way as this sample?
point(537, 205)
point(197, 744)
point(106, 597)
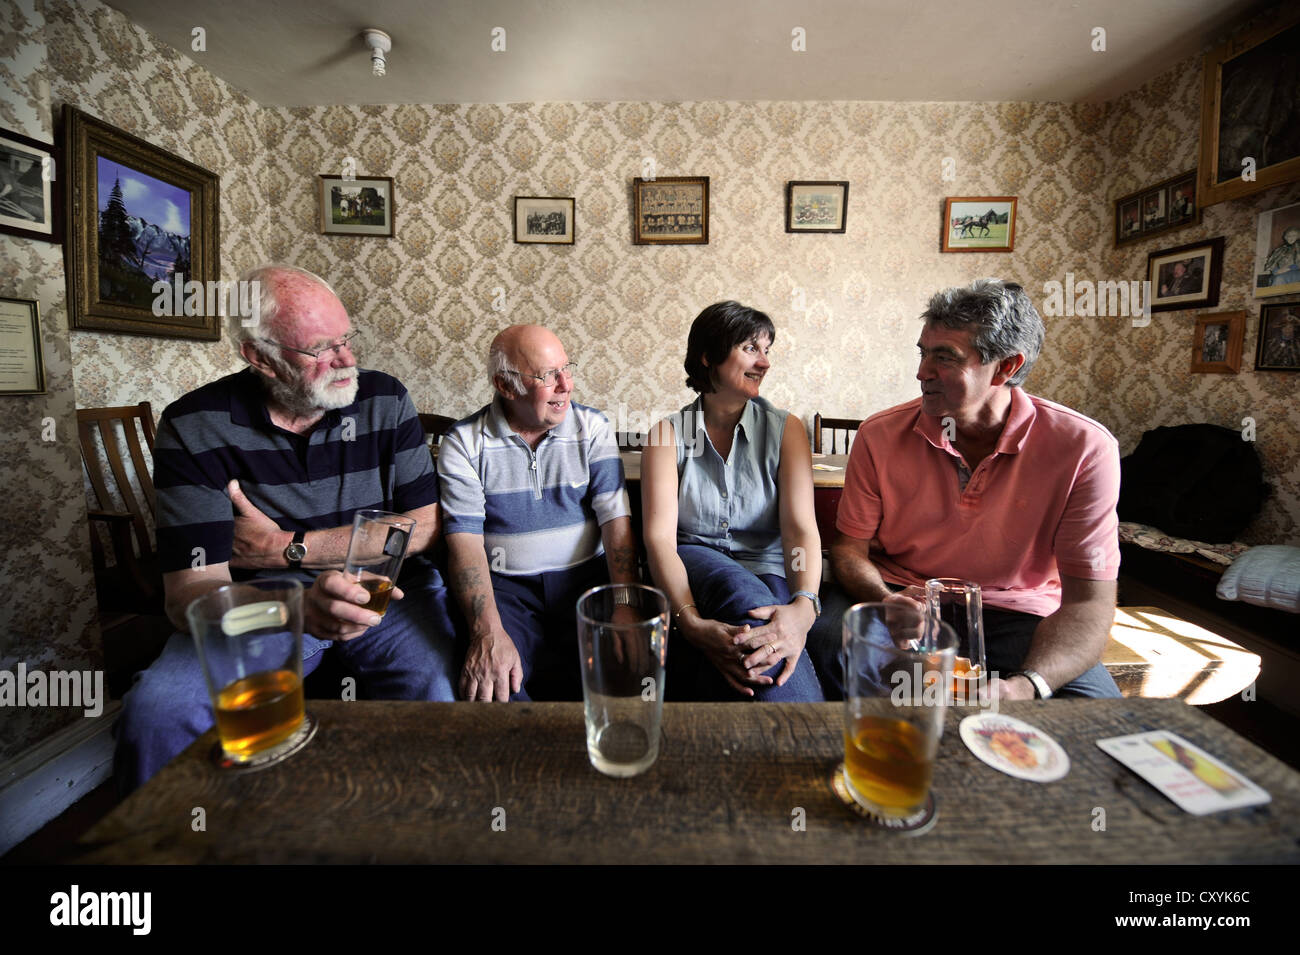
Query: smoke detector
point(379, 43)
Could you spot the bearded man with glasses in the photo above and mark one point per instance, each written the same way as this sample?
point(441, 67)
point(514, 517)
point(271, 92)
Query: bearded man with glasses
point(259, 474)
point(536, 513)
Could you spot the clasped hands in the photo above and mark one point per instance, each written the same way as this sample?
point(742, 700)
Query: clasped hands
point(743, 653)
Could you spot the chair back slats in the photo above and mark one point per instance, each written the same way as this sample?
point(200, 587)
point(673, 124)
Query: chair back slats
point(104, 422)
point(832, 434)
point(138, 462)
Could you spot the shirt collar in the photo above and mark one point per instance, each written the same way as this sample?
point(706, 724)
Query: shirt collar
point(1020, 417)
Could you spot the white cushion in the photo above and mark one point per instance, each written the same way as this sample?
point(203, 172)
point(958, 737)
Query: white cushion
point(1267, 576)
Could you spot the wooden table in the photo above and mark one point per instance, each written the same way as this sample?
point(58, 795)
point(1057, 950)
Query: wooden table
point(1153, 652)
point(423, 782)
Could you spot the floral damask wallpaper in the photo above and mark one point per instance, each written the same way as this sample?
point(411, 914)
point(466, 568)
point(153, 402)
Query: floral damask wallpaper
point(429, 300)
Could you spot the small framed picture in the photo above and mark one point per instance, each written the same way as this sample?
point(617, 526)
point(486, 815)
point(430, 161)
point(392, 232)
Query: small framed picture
point(1168, 205)
point(1278, 348)
point(22, 370)
point(356, 205)
point(670, 211)
point(816, 206)
point(544, 219)
point(1186, 276)
point(1216, 343)
point(1277, 252)
point(28, 178)
point(979, 224)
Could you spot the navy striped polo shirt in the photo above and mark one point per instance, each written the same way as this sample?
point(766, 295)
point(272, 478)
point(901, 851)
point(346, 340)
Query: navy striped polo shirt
point(369, 454)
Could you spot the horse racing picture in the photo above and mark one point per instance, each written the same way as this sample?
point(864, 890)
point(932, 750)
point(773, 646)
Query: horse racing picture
point(979, 224)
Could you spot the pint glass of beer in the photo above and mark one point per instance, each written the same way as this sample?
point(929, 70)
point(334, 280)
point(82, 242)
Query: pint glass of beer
point(376, 552)
point(959, 604)
point(897, 668)
point(249, 637)
point(622, 647)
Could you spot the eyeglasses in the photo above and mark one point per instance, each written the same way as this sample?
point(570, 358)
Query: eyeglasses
point(337, 348)
point(552, 377)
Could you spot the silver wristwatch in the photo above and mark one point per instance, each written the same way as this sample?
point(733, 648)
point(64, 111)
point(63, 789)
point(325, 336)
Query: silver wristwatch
point(1041, 688)
point(816, 602)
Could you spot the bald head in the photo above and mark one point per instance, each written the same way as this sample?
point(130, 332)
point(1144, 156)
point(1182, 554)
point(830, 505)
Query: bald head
point(287, 294)
point(526, 349)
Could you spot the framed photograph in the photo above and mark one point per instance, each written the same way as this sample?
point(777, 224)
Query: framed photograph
point(542, 219)
point(979, 224)
point(22, 368)
point(670, 210)
point(356, 205)
point(1164, 207)
point(1216, 343)
point(1250, 110)
point(1278, 347)
point(1186, 276)
point(1277, 252)
point(816, 206)
point(28, 180)
point(141, 222)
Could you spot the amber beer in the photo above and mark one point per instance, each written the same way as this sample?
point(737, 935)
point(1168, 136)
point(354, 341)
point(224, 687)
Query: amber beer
point(966, 681)
point(258, 712)
point(380, 590)
point(886, 764)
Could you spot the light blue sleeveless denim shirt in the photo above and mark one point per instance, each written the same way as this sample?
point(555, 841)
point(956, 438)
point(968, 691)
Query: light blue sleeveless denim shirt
point(732, 506)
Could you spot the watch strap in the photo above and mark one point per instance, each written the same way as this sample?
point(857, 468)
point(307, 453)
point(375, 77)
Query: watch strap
point(297, 550)
point(1042, 689)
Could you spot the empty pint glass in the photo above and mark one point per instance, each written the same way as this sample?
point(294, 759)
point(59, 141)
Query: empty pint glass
point(896, 672)
point(249, 638)
point(622, 646)
point(958, 603)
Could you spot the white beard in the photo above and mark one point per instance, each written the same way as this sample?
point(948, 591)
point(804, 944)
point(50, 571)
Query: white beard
point(319, 396)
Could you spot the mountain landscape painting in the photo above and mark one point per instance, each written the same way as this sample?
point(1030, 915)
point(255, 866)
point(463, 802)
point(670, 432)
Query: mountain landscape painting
point(144, 233)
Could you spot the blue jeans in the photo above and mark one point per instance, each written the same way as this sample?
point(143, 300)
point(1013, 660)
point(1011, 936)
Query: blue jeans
point(540, 614)
point(1007, 636)
point(726, 591)
point(409, 656)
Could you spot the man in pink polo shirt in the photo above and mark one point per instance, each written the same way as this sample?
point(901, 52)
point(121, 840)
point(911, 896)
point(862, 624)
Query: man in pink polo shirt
point(978, 480)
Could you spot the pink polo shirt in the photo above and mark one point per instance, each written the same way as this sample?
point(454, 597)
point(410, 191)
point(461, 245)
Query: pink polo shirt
point(1042, 505)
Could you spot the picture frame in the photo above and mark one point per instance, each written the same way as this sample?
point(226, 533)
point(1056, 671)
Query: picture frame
point(1186, 276)
point(1249, 108)
point(1277, 252)
point(161, 227)
point(1277, 347)
point(1216, 343)
point(22, 370)
point(670, 210)
point(1164, 207)
point(29, 189)
point(978, 224)
point(816, 206)
point(546, 220)
point(357, 205)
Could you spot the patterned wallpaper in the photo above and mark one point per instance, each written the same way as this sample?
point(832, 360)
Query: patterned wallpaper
point(845, 306)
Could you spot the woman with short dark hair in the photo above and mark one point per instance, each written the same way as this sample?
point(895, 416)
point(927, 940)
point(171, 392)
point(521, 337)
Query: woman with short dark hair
point(726, 487)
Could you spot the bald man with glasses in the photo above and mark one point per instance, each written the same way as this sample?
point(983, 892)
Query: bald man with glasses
point(535, 512)
point(259, 474)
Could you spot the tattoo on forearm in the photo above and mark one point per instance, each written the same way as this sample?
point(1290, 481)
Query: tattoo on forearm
point(467, 578)
point(623, 559)
point(476, 606)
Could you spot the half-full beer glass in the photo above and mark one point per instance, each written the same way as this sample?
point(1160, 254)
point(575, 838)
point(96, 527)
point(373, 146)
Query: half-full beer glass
point(622, 646)
point(249, 637)
point(375, 554)
point(959, 604)
point(896, 673)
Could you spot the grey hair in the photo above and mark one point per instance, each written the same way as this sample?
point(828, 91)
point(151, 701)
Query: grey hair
point(251, 329)
point(1000, 317)
point(500, 366)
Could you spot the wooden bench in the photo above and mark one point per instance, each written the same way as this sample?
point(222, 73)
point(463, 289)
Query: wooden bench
point(1154, 653)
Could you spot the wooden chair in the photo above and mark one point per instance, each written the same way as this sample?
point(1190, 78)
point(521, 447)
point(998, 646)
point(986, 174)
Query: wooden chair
point(836, 427)
point(630, 440)
point(133, 583)
point(435, 426)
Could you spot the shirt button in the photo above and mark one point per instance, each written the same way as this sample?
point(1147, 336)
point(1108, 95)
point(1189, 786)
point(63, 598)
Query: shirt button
point(724, 495)
point(725, 525)
point(534, 465)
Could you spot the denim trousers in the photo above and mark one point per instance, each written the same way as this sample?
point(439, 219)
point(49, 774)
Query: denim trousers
point(726, 591)
point(1007, 636)
point(410, 655)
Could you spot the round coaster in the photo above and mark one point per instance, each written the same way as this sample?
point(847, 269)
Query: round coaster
point(277, 754)
point(914, 825)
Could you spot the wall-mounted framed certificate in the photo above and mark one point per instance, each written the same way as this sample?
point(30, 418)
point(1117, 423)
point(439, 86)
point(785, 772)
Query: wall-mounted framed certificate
point(22, 369)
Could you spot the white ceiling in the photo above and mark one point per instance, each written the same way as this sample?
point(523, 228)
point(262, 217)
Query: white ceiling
point(309, 52)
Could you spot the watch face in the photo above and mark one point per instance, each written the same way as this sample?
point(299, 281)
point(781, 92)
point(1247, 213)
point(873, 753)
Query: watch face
point(295, 552)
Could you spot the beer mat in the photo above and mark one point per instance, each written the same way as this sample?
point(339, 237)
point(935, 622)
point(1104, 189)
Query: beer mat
point(1014, 747)
point(1195, 781)
point(274, 755)
point(913, 825)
